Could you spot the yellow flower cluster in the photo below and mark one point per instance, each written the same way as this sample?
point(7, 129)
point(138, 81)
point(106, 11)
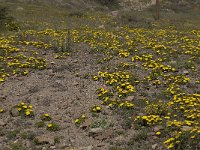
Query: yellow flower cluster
point(25, 110)
point(186, 107)
point(120, 82)
point(148, 120)
point(96, 109)
point(45, 117)
point(14, 60)
point(80, 120)
point(1, 110)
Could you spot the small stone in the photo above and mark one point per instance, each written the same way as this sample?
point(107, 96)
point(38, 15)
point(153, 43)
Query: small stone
point(173, 62)
point(86, 148)
point(53, 147)
point(86, 124)
point(186, 128)
point(14, 112)
point(6, 148)
point(157, 128)
point(130, 98)
point(58, 81)
point(75, 83)
point(101, 145)
point(154, 137)
point(27, 144)
point(75, 61)
point(150, 133)
point(95, 131)
point(140, 114)
point(2, 97)
point(51, 70)
point(64, 143)
point(105, 135)
point(154, 146)
point(2, 123)
point(44, 53)
point(20, 8)
point(101, 27)
point(53, 63)
point(120, 139)
point(114, 13)
point(45, 139)
point(185, 72)
point(72, 141)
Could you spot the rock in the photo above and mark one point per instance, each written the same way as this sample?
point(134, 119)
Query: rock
point(63, 144)
point(107, 134)
point(157, 128)
point(186, 128)
point(14, 112)
point(129, 98)
point(5, 148)
point(120, 139)
point(101, 27)
point(140, 114)
point(50, 70)
point(45, 139)
point(95, 131)
point(86, 148)
point(173, 62)
point(75, 83)
point(154, 146)
point(53, 63)
point(58, 81)
point(154, 137)
point(114, 13)
point(72, 141)
point(185, 72)
point(117, 28)
point(86, 124)
point(101, 145)
point(52, 147)
point(150, 133)
point(100, 133)
point(20, 8)
point(75, 61)
point(2, 98)
point(44, 53)
point(2, 123)
point(27, 144)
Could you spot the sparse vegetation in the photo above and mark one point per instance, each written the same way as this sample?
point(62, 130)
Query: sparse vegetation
point(127, 78)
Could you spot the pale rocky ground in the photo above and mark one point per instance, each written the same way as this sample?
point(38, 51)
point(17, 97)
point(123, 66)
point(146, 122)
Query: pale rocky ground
point(64, 90)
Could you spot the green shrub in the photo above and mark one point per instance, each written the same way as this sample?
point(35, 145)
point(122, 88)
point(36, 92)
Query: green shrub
point(4, 17)
point(109, 3)
point(7, 22)
point(135, 19)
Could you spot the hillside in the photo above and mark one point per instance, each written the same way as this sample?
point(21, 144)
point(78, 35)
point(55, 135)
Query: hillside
point(85, 75)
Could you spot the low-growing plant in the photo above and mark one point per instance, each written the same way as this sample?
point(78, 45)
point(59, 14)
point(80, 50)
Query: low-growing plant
point(101, 123)
point(12, 134)
point(17, 146)
point(53, 127)
point(45, 117)
point(28, 135)
point(2, 132)
point(40, 124)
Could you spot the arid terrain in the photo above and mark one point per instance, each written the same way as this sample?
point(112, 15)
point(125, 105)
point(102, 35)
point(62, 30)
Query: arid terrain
point(79, 75)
